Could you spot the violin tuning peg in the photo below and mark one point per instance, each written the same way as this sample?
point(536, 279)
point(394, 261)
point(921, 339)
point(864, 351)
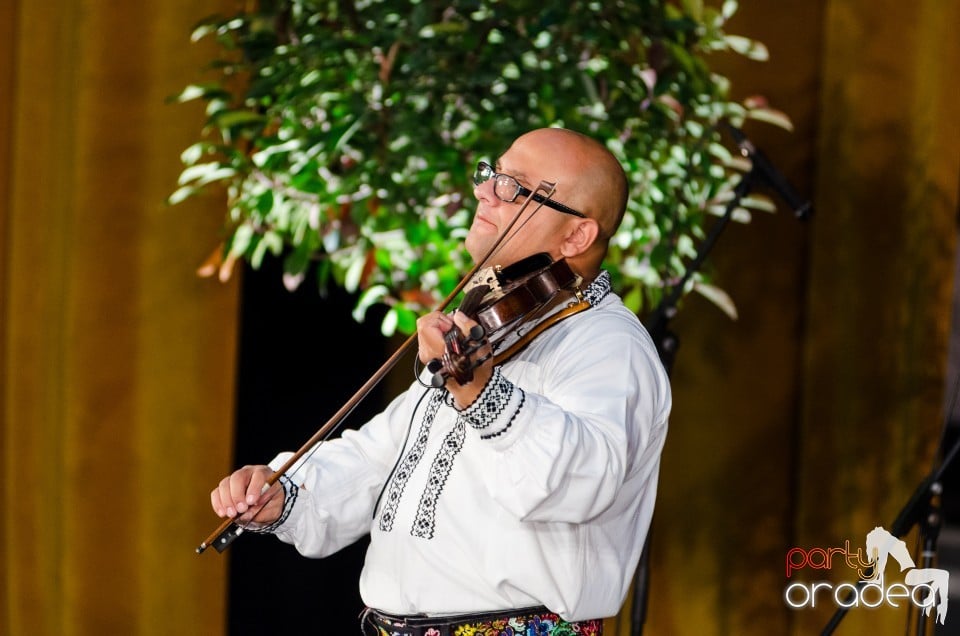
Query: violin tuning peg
point(434, 365)
point(477, 332)
point(437, 381)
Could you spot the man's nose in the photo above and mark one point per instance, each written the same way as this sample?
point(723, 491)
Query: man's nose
point(484, 192)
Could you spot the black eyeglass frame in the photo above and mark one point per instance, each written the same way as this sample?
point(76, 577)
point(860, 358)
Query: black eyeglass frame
point(485, 168)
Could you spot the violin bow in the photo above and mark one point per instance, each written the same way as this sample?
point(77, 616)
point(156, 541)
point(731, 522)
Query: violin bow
point(230, 529)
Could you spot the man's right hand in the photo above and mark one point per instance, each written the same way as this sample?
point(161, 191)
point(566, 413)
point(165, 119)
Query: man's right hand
point(241, 496)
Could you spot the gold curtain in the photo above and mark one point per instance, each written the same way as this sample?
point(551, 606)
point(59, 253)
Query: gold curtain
point(118, 361)
point(812, 418)
point(804, 423)
point(883, 255)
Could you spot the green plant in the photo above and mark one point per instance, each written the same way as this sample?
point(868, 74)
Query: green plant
point(345, 133)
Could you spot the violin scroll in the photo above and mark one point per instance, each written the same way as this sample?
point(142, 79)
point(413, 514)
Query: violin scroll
point(511, 306)
point(458, 361)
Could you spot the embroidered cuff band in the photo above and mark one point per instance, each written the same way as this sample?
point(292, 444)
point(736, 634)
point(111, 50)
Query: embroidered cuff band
point(495, 409)
point(290, 491)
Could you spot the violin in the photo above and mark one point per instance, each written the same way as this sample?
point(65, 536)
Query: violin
point(512, 306)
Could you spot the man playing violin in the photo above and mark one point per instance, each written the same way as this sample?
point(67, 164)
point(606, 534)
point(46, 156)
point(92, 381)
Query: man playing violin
point(521, 496)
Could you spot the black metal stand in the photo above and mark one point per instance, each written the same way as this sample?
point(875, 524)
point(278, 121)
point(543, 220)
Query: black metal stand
point(930, 525)
point(761, 171)
point(922, 508)
point(667, 344)
point(658, 323)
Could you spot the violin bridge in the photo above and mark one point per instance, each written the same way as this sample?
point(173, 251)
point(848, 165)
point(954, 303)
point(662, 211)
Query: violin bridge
point(486, 276)
point(577, 292)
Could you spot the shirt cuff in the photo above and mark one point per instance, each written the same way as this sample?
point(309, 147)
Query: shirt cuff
point(290, 492)
point(497, 406)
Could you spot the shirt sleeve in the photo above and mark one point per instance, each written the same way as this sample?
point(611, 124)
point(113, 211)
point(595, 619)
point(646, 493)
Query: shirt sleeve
point(590, 415)
point(337, 487)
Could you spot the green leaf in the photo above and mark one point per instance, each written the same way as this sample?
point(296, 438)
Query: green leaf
point(199, 91)
point(231, 118)
point(718, 297)
point(771, 116)
point(204, 173)
point(633, 299)
point(369, 297)
point(259, 252)
point(730, 7)
point(760, 202)
point(388, 326)
point(406, 319)
point(205, 27)
point(750, 48)
point(181, 194)
point(351, 131)
point(273, 241)
point(264, 202)
point(241, 240)
point(193, 153)
point(693, 8)
point(351, 279)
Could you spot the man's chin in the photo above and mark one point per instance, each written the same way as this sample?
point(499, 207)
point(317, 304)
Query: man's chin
point(478, 246)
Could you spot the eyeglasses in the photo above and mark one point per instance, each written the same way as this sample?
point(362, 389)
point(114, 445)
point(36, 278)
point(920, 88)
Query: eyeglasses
point(507, 189)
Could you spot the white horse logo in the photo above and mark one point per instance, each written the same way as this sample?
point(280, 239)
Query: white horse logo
point(881, 544)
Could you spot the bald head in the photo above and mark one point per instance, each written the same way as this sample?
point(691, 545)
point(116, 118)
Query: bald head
point(588, 177)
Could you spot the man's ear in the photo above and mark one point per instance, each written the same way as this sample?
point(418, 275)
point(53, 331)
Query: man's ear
point(581, 235)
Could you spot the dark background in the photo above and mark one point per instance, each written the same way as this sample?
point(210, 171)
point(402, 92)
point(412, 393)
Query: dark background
point(284, 395)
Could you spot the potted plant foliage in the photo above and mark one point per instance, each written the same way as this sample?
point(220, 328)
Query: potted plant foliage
point(344, 133)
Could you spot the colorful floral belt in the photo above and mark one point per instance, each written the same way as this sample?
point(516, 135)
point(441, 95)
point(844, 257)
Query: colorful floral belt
point(534, 621)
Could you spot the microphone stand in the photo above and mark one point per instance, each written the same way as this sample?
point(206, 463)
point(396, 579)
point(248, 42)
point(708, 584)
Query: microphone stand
point(658, 323)
point(922, 508)
point(762, 170)
point(667, 343)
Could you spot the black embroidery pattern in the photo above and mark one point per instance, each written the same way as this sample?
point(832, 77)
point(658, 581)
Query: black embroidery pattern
point(449, 401)
point(290, 492)
point(523, 398)
point(406, 468)
point(489, 406)
point(426, 519)
point(599, 288)
point(492, 402)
